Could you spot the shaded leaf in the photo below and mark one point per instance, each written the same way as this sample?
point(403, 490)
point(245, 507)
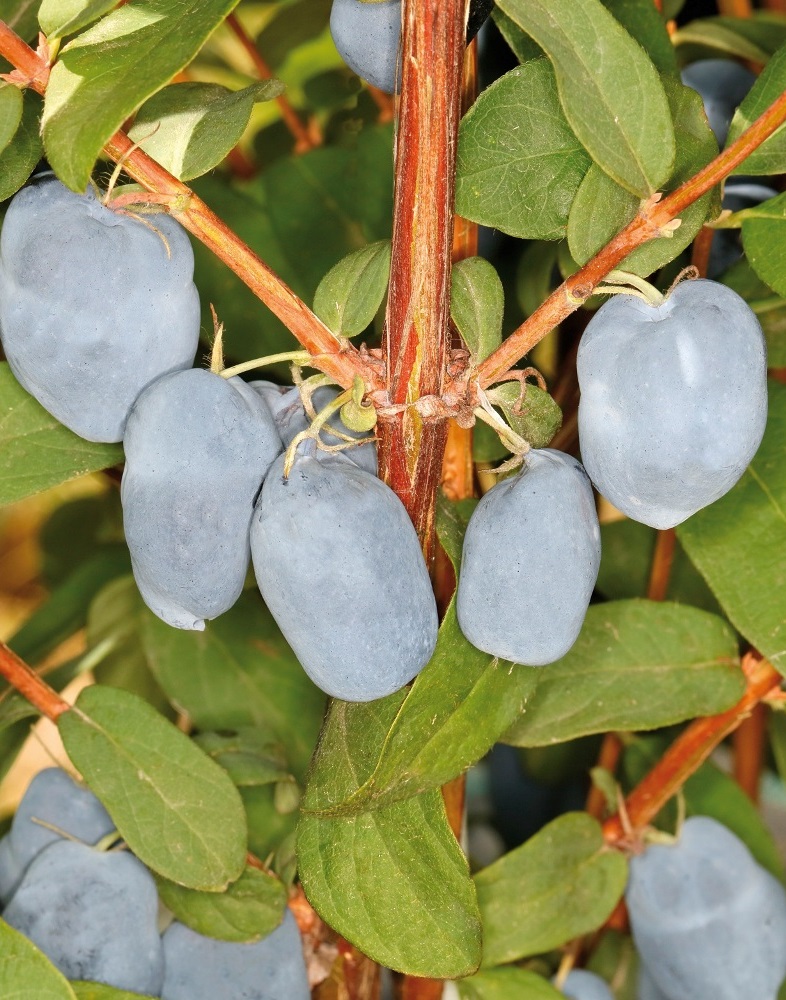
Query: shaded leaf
point(770, 309)
point(238, 672)
point(248, 910)
point(11, 102)
point(418, 739)
point(19, 158)
point(539, 418)
point(602, 208)
point(647, 25)
point(519, 164)
point(507, 984)
point(738, 544)
point(348, 297)
point(36, 451)
point(106, 72)
point(21, 16)
point(176, 809)
point(764, 239)
point(755, 38)
point(611, 93)
point(523, 47)
point(190, 127)
point(248, 756)
point(635, 665)
point(560, 884)
point(21, 964)
point(419, 913)
point(770, 156)
point(64, 17)
point(477, 302)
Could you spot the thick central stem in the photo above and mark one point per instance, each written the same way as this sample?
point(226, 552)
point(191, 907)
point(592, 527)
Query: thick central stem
point(417, 326)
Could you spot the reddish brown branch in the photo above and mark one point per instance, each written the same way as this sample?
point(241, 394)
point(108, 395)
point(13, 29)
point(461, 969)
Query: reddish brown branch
point(702, 247)
point(690, 750)
point(735, 8)
point(662, 560)
point(341, 361)
point(416, 333)
point(30, 686)
point(651, 221)
point(749, 742)
point(303, 138)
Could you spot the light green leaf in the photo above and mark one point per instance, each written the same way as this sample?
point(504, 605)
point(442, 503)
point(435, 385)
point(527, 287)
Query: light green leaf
point(22, 964)
point(190, 127)
point(635, 665)
point(764, 240)
point(477, 302)
point(537, 419)
point(248, 910)
point(770, 156)
point(36, 451)
point(418, 914)
point(348, 297)
point(11, 102)
point(755, 38)
point(602, 208)
point(560, 884)
point(108, 71)
point(507, 984)
point(418, 739)
point(519, 163)
point(97, 991)
point(176, 809)
point(64, 17)
point(610, 91)
point(18, 159)
point(738, 543)
point(260, 682)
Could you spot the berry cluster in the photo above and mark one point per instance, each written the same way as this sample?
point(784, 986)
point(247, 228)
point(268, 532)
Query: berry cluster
point(94, 911)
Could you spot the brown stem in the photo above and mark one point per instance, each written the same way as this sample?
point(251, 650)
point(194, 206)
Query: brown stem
point(385, 103)
point(30, 686)
point(303, 138)
point(662, 560)
point(776, 5)
point(650, 222)
point(735, 8)
point(416, 331)
point(339, 360)
point(749, 742)
point(689, 751)
point(702, 247)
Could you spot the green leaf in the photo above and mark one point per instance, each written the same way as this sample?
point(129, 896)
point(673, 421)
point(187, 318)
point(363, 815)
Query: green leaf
point(770, 309)
point(419, 913)
point(755, 38)
point(104, 74)
point(563, 883)
point(190, 127)
point(65, 17)
point(610, 91)
point(770, 156)
point(519, 163)
point(536, 275)
point(635, 665)
point(11, 102)
point(36, 451)
point(646, 24)
point(250, 909)
point(522, 45)
point(602, 208)
point(19, 158)
point(22, 964)
point(248, 755)
point(97, 991)
point(764, 240)
point(418, 739)
point(21, 16)
point(238, 672)
point(477, 302)
point(507, 984)
point(539, 418)
point(348, 297)
point(176, 809)
point(738, 543)
point(65, 611)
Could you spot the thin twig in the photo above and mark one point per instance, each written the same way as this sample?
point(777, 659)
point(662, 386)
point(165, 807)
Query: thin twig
point(748, 743)
point(30, 685)
point(662, 560)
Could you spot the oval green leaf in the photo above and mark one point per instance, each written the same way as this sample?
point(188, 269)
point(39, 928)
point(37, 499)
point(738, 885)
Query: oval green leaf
point(477, 302)
point(770, 156)
point(176, 809)
point(610, 91)
point(560, 884)
point(11, 102)
point(22, 964)
point(519, 163)
point(348, 297)
point(507, 984)
point(763, 232)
